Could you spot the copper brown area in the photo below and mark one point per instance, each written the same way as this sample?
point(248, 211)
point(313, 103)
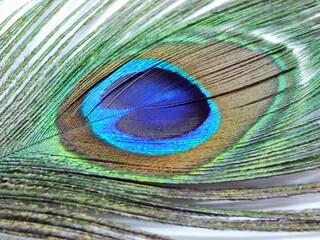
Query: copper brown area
point(243, 81)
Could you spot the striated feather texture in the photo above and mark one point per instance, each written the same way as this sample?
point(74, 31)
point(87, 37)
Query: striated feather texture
point(185, 113)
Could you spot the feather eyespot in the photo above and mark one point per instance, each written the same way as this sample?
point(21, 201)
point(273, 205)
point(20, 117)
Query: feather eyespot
point(168, 109)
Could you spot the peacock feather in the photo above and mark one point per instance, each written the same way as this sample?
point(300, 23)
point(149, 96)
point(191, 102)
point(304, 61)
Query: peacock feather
point(158, 111)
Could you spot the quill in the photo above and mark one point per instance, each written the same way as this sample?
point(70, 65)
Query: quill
point(143, 109)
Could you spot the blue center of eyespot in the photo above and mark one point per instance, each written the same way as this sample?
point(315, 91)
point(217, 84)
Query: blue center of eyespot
point(149, 106)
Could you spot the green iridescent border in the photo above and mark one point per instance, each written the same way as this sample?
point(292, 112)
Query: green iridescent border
point(243, 39)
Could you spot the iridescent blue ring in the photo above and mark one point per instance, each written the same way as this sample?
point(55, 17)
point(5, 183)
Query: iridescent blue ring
point(104, 119)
